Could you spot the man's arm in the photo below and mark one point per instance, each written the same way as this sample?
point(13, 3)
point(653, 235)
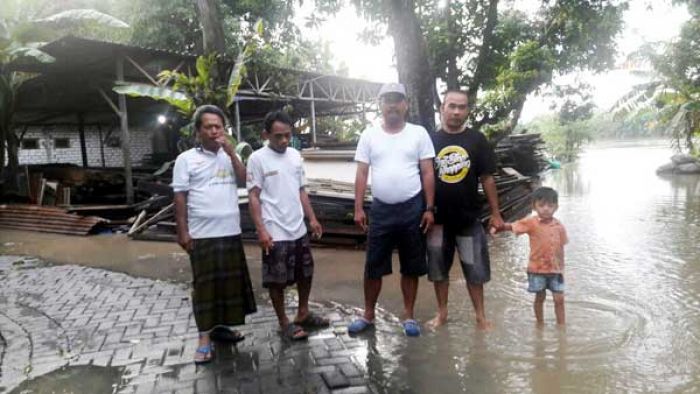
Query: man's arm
point(360, 189)
point(316, 228)
point(489, 184)
point(255, 206)
point(238, 167)
point(239, 170)
point(183, 230)
point(427, 176)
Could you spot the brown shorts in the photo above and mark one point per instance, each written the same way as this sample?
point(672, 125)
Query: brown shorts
point(287, 262)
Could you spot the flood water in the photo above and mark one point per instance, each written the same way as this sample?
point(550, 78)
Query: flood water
point(632, 295)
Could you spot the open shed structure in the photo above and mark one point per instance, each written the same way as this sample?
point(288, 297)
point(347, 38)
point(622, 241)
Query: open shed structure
point(76, 90)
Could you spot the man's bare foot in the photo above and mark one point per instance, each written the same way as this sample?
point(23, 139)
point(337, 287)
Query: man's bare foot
point(539, 324)
point(438, 321)
point(483, 324)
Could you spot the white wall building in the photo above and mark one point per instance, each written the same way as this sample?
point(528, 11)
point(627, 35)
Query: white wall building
point(61, 144)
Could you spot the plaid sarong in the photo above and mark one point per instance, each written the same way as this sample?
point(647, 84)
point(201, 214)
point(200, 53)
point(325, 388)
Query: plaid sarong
point(222, 293)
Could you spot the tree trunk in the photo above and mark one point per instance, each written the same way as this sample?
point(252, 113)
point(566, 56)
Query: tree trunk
point(452, 71)
point(412, 62)
point(212, 28)
point(484, 52)
point(213, 35)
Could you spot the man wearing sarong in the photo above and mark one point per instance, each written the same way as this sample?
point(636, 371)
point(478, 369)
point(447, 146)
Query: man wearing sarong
point(278, 203)
point(205, 182)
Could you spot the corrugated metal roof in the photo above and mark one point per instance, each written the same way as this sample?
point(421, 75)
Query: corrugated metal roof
point(46, 219)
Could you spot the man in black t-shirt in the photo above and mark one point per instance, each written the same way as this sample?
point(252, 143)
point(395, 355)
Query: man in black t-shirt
point(463, 158)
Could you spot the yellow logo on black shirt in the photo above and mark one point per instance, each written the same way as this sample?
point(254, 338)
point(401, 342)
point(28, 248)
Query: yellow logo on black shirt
point(452, 164)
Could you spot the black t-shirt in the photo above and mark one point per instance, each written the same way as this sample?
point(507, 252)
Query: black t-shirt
point(459, 161)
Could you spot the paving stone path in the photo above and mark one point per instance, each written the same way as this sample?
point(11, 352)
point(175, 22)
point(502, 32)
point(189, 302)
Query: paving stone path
point(54, 318)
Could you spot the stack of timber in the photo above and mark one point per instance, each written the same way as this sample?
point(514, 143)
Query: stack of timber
point(523, 152)
point(95, 193)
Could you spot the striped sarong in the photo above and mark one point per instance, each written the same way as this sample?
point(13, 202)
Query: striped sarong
point(222, 293)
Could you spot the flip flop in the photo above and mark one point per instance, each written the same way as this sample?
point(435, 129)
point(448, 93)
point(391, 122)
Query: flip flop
point(295, 332)
point(359, 325)
point(411, 328)
point(206, 350)
point(225, 334)
point(313, 320)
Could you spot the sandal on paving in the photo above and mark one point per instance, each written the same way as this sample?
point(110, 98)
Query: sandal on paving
point(295, 332)
point(411, 328)
point(225, 334)
point(359, 325)
point(314, 321)
point(203, 354)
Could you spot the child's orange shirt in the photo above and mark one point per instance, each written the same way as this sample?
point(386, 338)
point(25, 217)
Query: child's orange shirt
point(547, 242)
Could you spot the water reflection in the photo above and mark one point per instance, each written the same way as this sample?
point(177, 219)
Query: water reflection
point(633, 295)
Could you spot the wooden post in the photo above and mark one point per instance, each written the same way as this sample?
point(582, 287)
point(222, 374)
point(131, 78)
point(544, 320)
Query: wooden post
point(126, 141)
point(313, 113)
point(81, 131)
point(238, 121)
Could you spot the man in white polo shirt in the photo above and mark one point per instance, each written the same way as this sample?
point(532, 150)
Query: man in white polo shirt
point(403, 186)
point(278, 204)
point(205, 180)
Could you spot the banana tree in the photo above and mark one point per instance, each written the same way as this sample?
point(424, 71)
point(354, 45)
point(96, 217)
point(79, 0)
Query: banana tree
point(677, 110)
point(186, 91)
point(22, 34)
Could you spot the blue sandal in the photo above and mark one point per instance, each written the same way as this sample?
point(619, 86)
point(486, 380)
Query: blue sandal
point(206, 350)
point(411, 328)
point(359, 325)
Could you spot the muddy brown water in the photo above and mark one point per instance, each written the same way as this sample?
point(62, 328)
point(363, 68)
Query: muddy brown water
point(632, 296)
point(632, 299)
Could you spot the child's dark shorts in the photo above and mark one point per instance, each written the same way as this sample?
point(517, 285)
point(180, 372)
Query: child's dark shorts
point(287, 263)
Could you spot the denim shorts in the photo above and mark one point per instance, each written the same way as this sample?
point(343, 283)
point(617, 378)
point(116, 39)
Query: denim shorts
point(541, 282)
point(396, 226)
point(470, 243)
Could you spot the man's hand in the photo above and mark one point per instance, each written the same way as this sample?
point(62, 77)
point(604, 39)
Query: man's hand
point(427, 221)
point(316, 229)
point(225, 143)
point(265, 241)
point(496, 223)
point(185, 242)
point(361, 219)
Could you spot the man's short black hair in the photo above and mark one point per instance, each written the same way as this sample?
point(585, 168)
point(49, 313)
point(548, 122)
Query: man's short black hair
point(276, 116)
point(207, 109)
point(545, 194)
point(455, 91)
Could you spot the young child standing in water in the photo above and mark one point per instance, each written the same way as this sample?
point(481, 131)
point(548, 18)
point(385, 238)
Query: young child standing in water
point(545, 269)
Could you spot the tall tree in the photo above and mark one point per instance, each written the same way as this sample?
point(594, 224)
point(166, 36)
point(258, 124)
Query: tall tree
point(412, 61)
point(212, 26)
point(492, 50)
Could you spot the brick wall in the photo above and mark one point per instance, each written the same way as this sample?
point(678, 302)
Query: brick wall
point(47, 152)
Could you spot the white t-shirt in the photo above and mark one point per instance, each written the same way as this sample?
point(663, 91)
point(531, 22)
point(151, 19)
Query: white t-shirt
point(279, 176)
point(212, 193)
point(394, 160)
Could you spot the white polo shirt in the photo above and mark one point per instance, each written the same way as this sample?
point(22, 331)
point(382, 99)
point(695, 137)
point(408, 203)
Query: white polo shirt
point(279, 176)
point(394, 160)
point(212, 193)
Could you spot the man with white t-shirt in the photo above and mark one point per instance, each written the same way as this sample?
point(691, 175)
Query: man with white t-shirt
point(403, 186)
point(205, 182)
point(278, 203)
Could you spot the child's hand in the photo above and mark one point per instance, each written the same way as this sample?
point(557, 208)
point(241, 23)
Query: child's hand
point(493, 230)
